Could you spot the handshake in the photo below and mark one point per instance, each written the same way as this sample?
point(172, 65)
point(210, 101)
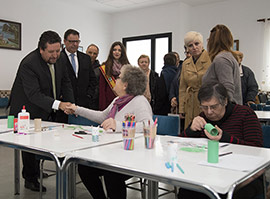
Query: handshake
point(67, 107)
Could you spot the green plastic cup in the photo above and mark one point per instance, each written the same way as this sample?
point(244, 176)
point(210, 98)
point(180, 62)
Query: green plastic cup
point(211, 129)
point(10, 121)
point(213, 147)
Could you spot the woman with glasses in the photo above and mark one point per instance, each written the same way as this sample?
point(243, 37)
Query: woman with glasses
point(235, 123)
point(129, 87)
point(224, 68)
point(193, 70)
point(110, 70)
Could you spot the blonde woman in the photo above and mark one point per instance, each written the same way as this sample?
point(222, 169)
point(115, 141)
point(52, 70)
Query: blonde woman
point(193, 70)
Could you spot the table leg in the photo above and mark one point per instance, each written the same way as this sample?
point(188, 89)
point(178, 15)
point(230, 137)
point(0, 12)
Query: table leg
point(72, 180)
point(16, 172)
point(59, 184)
point(152, 189)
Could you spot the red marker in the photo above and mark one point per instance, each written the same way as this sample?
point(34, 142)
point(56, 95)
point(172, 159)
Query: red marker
point(77, 136)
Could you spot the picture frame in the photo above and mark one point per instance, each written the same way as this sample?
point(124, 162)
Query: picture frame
point(10, 35)
point(236, 44)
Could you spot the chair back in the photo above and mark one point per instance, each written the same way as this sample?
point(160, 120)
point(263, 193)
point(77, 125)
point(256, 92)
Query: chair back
point(266, 108)
point(253, 106)
point(266, 135)
point(167, 125)
point(72, 119)
point(263, 97)
point(259, 107)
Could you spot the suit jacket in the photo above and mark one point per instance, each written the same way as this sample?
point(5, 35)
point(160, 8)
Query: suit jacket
point(249, 85)
point(85, 84)
point(33, 87)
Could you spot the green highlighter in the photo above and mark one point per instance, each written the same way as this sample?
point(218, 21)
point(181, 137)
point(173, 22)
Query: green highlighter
point(213, 145)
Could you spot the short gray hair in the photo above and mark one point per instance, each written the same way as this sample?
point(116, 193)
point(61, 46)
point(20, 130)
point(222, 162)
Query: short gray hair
point(192, 36)
point(135, 78)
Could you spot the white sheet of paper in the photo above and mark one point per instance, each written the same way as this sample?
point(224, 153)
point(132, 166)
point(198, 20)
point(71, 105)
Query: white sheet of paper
point(237, 162)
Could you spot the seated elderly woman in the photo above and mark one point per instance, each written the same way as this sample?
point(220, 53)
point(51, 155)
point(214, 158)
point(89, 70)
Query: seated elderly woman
point(235, 123)
point(129, 87)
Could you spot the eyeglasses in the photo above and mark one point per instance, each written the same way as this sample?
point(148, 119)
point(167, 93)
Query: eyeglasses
point(212, 107)
point(74, 41)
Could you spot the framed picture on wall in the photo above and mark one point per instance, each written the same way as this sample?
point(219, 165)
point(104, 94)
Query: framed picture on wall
point(236, 44)
point(10, 35)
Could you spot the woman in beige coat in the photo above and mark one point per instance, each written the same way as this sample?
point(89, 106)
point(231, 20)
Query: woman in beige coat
point(193, 70)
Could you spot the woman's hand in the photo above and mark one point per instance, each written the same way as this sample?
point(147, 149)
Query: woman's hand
point(217, 137)
point(70, 109)
point(109, 124)
point(182, 115)
point(198, 124)
point(173, 102)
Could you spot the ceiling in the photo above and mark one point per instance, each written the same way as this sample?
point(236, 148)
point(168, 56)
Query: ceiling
point(113, 6)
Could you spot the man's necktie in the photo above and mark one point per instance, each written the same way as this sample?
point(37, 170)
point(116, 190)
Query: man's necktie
point(53, 79)
point(73, 62)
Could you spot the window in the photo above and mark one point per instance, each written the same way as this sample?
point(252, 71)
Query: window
point(155, 46)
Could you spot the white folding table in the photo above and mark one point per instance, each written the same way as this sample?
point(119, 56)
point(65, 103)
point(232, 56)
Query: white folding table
point(263, 115)
point(150, 164)
point(54, 143)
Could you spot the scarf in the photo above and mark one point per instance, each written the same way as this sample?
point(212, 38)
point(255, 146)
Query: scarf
point(116, 67)
point(119, 104)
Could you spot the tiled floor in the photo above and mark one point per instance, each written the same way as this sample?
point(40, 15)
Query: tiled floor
point(7, 182)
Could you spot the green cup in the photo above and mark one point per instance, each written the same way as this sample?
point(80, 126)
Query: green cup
point(213, 147)
point(10, 122)
point(211, 129)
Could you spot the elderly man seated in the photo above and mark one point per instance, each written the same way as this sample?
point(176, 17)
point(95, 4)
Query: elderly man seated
point(235, 123)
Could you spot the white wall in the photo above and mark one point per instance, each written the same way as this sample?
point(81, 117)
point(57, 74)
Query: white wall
point(239, 15)
point(39, 16)
point(160, 19)
point(100, 28)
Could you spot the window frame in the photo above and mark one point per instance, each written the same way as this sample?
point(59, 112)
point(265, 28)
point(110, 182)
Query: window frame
point(153, 38)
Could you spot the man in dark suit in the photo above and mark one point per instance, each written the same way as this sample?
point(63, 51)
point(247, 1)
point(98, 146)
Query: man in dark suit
point(80, 70)
point(43, 86)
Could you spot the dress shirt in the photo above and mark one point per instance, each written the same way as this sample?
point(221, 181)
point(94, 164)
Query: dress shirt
point(76, 60)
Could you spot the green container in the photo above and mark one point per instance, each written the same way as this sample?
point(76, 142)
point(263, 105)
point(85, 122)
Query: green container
point(213, 147)
point(211, 129)
point(10, 121)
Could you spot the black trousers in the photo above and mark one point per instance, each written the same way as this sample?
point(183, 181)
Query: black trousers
point(115, 182)
point(30, 170)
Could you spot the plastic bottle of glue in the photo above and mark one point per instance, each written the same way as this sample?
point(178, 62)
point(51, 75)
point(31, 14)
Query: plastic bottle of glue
point(23, 121)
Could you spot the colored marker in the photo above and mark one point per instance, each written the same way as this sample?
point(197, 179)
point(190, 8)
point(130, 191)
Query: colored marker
point(77, 136)
point(180, 168)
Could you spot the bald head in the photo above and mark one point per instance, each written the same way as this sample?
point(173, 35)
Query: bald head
point(240, 56)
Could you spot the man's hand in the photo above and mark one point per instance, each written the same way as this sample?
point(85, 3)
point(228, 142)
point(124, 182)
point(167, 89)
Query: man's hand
point(70, 109)
point(63, 106)
point(109, 124)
